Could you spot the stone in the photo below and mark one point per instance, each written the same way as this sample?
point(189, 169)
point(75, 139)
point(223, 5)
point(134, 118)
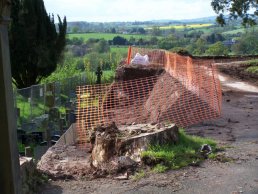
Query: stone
point(30, 176)
point(125, 162)
point(28, 152)
point(122, 177)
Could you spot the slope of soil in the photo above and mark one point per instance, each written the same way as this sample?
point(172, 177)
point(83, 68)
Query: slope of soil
point(237, 70)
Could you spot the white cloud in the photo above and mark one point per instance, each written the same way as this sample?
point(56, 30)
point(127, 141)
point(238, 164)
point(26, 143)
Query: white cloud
point(128, 10)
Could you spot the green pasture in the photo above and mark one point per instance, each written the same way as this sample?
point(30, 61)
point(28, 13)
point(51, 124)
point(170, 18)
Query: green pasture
point(240, 30)
point(106, 36)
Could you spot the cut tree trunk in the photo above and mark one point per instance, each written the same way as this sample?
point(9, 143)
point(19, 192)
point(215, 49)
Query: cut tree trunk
point(129, 141)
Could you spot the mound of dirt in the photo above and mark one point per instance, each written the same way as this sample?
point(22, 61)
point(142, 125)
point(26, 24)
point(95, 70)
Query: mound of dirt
point(133, 71)
point(170, 101)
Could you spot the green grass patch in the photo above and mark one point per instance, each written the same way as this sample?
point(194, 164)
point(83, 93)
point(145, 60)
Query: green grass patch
point(159, 168)
point(240, 30)
point(253, 69)
point(106, 36)
point(29, 109)
point(253, 66)
point(252, 62)
point(21, 147)
point(236, 31)
point(175, 156)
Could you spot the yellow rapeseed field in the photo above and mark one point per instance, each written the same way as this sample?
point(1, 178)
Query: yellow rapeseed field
point(183, 26)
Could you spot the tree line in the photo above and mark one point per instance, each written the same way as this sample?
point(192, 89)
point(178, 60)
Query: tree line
point(37, 43)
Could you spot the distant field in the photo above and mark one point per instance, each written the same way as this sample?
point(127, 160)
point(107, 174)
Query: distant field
point(242, 30)
point(106, 36)
point(183, 26)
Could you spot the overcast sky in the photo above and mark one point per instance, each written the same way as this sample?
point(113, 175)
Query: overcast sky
point(129, 10)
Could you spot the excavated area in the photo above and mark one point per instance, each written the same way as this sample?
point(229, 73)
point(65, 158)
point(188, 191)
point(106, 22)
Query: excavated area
point(133, 115)
point(111, 151)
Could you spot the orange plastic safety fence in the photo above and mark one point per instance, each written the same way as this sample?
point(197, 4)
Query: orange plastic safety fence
point(188, 92)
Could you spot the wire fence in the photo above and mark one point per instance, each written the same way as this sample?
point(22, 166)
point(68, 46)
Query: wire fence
point(50, 105)
point(187, 92)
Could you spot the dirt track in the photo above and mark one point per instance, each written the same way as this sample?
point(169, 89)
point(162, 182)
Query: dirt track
point(237, 129)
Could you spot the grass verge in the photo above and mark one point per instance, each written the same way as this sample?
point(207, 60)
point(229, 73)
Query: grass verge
point(174, 156)
point(253, 69)
point(253, 66)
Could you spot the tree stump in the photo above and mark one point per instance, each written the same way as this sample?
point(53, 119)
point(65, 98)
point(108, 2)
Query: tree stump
point(110, 142)
point(104, 144)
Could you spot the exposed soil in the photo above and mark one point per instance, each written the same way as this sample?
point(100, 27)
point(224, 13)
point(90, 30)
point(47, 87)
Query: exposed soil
point(237, 71)
point(236, 171)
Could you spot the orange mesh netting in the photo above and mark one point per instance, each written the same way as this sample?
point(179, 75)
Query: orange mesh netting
point(186, 92)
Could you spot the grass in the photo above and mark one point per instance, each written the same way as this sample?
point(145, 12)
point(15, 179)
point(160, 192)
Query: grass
point(21, 147)
point(27, 109)
point(175, 156)
point(240, 30)
point(252, 69)
point(106, 36)
point(253, 66)
point(252, 62)
point(159, 168)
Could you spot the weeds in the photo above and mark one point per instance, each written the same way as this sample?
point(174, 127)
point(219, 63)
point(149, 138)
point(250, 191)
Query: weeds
point(252, 66)
point(175, 156)
point(220, 158)
point(252, 69)
point(159, 168)
point(253, 62)
point(139, 175)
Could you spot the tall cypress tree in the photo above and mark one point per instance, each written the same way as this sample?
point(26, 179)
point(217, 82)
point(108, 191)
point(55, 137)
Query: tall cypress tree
point(35, 44)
